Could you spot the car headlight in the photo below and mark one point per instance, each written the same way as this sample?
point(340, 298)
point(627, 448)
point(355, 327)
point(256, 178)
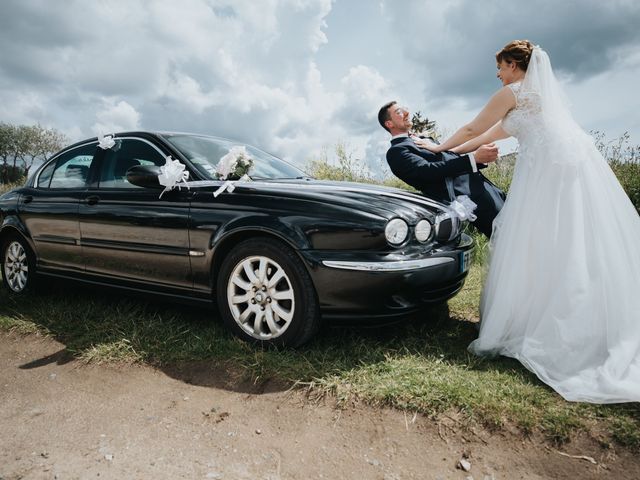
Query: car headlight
point(423, 230)
point(396, 231)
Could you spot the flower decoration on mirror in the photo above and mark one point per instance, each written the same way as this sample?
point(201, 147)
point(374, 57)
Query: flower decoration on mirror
point(172, 173)
point(235, 164)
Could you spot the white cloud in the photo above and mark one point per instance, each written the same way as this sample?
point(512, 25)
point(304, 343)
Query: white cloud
point(363, 88)
point(21, 107)
point(115, 116)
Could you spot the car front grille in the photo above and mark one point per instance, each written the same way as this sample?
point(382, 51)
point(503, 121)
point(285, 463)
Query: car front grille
point(447, 228)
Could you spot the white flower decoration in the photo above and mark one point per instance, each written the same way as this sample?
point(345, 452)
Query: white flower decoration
point(171, 174)
point(236, 161)
point(106, 142)
point(463, 208)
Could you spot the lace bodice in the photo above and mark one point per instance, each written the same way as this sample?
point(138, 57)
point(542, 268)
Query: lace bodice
point(540, 132)
point(534, 131)
point(525, 119)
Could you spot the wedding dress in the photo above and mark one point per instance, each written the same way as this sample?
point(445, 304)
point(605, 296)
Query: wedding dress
point(562, 294)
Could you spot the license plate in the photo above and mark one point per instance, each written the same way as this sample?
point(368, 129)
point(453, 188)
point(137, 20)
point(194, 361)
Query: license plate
point(465, 261)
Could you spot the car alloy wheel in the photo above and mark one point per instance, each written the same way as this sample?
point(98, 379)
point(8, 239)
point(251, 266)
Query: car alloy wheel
point(265, 294)
point(261, 297)
point(17, 265)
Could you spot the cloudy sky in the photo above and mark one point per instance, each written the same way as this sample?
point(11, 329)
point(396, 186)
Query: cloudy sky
point(295, 77)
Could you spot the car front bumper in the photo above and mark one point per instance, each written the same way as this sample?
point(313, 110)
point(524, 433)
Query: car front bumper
point(363, 285)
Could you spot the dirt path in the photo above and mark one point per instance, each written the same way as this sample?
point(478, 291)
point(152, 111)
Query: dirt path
point(60, 419)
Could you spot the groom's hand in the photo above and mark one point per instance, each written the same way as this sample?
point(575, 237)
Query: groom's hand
point(486, 153)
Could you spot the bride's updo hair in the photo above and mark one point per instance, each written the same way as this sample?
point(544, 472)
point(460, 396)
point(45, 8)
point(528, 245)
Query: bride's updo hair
point(518, 51)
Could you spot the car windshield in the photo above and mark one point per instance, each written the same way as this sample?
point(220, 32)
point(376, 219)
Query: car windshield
point(205, 153)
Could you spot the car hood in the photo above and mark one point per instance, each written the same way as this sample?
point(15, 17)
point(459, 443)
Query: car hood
point(383, 201)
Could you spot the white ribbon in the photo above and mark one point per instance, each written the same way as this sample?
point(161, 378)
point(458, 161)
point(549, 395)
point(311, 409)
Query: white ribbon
point(106, 142)
point(463, 208)
point(229, 185)
point(171, 174)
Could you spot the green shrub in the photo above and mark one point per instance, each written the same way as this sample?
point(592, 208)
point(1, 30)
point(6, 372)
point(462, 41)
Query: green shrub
point(628, 174)
point(501, 171)
point(347, 169)
point(5, 187)
point(624, 159)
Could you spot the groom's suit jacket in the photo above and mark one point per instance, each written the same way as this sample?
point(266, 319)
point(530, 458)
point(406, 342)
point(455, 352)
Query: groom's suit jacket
point(443, 176)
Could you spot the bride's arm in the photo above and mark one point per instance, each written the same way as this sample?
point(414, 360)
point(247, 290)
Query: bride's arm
point(498, 106)
point(494, 133)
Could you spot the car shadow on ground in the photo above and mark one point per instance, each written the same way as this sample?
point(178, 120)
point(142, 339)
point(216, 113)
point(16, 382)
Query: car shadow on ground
point(189, 343)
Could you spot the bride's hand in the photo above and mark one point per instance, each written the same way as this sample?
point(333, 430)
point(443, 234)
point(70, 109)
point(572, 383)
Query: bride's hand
point(428, 144)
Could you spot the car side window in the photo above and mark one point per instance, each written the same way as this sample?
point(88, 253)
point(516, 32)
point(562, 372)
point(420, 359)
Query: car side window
point(125, 154)
point(45, 176)
point(69, 170)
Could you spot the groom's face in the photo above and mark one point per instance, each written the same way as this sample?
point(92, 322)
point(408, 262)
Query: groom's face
point(400, 118)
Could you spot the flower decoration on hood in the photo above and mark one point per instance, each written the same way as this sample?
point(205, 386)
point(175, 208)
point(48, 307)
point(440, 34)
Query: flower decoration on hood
point(235, 164)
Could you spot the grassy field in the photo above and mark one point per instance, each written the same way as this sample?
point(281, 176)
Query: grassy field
point(419, 365)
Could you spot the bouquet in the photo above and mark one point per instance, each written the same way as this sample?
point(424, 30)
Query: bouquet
point(235, 164)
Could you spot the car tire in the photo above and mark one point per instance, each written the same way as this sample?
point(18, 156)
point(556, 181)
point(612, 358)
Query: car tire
point(18, 265)
point(265, 294)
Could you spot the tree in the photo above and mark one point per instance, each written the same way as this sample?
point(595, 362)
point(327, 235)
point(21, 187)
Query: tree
point(8, 134)
point(424, 126)
point(22, 145)
point(44, 142)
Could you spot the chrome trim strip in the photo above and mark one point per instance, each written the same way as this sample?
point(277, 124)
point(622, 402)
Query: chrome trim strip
point(399, 266)
point(55, 239)
point(133, 247)
point(144, 140)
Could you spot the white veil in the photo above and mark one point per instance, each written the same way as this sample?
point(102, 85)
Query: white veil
point(540, 82)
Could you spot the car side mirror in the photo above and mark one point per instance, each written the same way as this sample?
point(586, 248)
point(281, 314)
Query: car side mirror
point(144, 176)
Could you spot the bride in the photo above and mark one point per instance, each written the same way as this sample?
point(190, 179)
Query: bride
point(562, 291)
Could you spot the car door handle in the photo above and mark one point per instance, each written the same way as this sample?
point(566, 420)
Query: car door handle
point(92, 200)
point(27, 198)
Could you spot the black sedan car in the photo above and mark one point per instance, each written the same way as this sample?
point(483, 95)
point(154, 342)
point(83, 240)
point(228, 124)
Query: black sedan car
point(277, 252)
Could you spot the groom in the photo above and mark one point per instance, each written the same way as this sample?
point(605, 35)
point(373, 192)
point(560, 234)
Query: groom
point(441, 176)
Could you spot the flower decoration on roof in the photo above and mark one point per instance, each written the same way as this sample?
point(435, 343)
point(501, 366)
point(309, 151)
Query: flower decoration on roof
point(106, 142)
